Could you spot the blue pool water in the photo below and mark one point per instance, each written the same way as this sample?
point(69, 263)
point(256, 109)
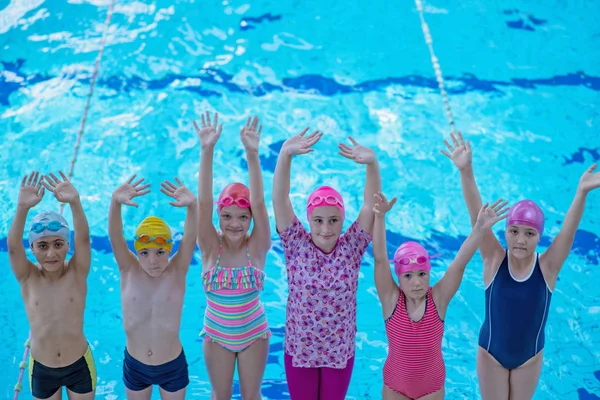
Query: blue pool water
point(524, 84)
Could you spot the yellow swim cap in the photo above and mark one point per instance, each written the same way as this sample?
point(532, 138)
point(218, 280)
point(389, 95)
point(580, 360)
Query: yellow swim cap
point(153, 227)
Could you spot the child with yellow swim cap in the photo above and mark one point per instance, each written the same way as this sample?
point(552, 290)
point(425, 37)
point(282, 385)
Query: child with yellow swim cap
point(153, 283)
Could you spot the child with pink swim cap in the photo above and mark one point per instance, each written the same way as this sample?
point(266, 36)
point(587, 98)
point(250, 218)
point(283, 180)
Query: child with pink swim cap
point(519, 283)
point(322, 269)
point(414, 311)
point(235, 330)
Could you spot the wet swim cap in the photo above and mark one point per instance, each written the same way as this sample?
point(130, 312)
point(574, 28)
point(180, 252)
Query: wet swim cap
point(153, 227)
point(411, 256)
point(48, 223)
point(325, 196)
point(231, 193)
point(526, 212)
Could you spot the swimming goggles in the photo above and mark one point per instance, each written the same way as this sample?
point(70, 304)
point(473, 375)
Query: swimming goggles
point(331, 200)
point(54, 226)
point(420, 260)
point(228, 201)
point(159, 240)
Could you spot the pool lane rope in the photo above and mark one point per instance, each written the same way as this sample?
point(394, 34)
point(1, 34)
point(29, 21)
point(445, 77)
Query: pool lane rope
point(436, 65)
point(23, 363)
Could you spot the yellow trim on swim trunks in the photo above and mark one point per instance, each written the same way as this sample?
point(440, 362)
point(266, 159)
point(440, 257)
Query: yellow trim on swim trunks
point(30, 370)
point(89, 359)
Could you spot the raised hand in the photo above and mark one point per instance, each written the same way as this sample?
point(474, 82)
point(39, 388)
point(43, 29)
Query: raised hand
point(301, 144)
point(250, 135)
point(381, 205)
point(31, 192)
point(460, 152)
point(63, 190)
point(589, 180)
point(127, 191)
point(209, 133)
point(183, 195)
point(358, 153)
point(489, 215)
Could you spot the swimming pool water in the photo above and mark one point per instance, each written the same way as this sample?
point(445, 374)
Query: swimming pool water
point(524, 84)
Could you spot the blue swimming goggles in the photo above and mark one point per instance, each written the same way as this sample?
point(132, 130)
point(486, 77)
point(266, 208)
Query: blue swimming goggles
point(53, 226)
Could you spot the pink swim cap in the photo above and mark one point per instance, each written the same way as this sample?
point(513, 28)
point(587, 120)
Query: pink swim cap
point(526, 212)
point(411, 256)
point(234, 194)
point(325, 196)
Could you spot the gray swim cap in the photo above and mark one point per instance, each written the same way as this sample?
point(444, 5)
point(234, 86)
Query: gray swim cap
point(48, 223)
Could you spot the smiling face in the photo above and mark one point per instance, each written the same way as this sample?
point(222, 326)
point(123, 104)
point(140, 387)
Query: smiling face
point(521, 240)
point(325, 227)
point(50, 252)
point(154, 261)
point(234, 222)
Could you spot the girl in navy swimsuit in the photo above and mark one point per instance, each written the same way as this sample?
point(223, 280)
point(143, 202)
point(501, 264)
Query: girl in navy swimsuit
point(519, 284)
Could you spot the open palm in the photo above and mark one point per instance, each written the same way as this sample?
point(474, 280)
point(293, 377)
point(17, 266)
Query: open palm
point(250, 135)
point(182, 194)
point(63, 190)
point(301, 144)
point(31, 192)
point(358, 153)
point(460, 152)
point(489, 215)
point(125, 193)
point(381, 205)
point(589, 180)
point(209, 133)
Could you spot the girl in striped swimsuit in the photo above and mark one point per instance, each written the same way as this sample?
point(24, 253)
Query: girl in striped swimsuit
point(235, 324)
point(414, 312)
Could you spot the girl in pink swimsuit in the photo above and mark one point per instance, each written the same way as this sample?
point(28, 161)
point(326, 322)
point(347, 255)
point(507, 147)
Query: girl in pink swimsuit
point(322, 268)
point(414, 312)
point(235, 326)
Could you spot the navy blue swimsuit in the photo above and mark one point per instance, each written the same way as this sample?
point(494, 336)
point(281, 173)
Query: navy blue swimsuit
point(516, 312)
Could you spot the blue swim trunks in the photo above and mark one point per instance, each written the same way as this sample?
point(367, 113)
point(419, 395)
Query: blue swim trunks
point(171, 376)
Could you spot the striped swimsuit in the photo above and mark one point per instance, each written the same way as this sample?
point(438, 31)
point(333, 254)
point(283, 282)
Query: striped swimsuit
point(415, 365)
point(235, 318)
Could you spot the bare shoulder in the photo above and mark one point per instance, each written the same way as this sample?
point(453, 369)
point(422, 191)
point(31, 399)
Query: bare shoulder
point(548, 270)
point(491, 266)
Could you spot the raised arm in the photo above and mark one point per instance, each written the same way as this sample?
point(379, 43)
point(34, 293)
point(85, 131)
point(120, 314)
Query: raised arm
point(30, 195)
point(65, 192)
point(299, 144)
point(460, 154)
point(209, 135)
point(123, 195)
point(446, 287)
point(558, 251)
point(261, 233)
point(184, 198)
point(366, 156)
point(387, 290)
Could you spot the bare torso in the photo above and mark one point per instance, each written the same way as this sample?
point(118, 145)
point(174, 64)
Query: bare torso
point(152, 310)
point(55, 311)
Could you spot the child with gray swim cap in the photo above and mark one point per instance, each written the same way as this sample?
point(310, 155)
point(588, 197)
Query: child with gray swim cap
point(54, 289)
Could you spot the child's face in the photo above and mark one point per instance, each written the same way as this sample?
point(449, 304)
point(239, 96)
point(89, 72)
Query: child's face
point(235, 222)
point(50, 252)
point(154, 261)
point(521, 240)
point(414, 284)
point(325, 227)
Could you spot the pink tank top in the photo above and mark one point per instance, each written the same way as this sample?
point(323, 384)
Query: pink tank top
point(415, 365)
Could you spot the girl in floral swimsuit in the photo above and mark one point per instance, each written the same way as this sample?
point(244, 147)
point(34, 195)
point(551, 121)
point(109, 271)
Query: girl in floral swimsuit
point(322, 268)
